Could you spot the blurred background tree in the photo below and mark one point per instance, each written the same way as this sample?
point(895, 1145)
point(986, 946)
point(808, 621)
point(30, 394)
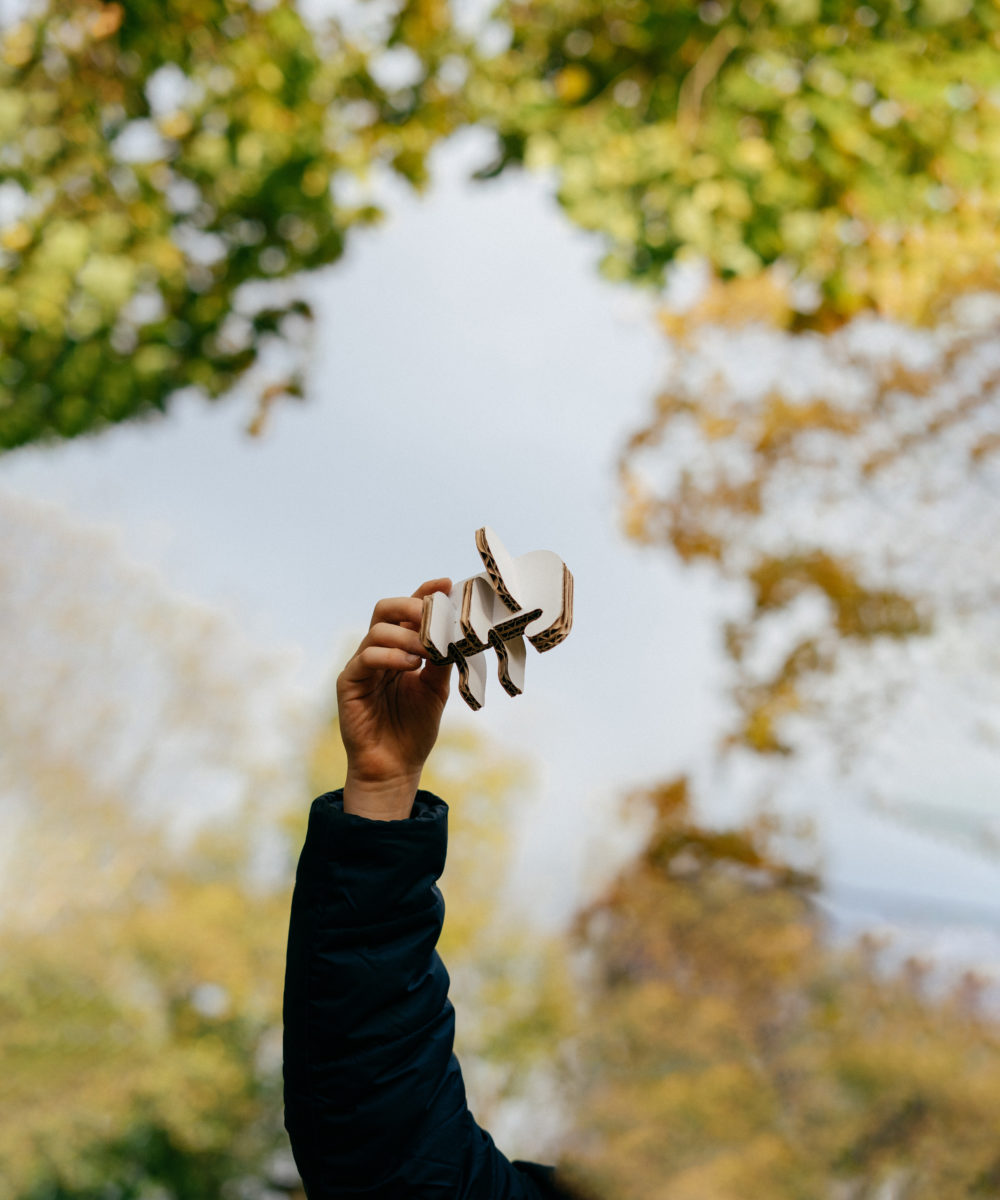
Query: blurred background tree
point(849, 150)
point(156, 162)
point(728, 1051)
point(848, 486)
point(141, 905)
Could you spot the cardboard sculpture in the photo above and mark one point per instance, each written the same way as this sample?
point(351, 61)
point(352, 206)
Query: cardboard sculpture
point(513, 599)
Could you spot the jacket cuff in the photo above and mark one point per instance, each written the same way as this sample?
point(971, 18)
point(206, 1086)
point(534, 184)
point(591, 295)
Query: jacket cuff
point(368, 869)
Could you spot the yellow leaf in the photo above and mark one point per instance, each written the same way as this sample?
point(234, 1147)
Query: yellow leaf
point(572, 83)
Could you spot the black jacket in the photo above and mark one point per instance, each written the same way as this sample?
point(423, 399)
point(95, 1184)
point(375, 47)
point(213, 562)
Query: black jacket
point(374, 1100)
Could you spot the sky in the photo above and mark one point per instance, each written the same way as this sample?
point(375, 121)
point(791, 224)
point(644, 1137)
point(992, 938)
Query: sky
point(468, 366)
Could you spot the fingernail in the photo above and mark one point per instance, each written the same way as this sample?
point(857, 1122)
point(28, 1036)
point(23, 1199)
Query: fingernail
point(413, 659)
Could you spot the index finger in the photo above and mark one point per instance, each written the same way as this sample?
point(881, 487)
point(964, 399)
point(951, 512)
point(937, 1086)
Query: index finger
point(397, 610)
point(433, 585)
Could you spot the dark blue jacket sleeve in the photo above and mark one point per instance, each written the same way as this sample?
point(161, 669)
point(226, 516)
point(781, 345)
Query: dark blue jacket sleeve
point(375, 1105)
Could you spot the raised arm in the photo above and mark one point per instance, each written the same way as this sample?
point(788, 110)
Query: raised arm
point(375, 1105)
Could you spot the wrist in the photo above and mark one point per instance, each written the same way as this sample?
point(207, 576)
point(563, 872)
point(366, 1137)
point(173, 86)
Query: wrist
point(380, 799)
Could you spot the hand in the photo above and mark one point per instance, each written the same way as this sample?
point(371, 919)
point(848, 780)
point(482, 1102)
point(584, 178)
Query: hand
point(390, 701)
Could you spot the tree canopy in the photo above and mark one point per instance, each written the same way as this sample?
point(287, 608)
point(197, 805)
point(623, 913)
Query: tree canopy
point(854, 149)
point(157, 160)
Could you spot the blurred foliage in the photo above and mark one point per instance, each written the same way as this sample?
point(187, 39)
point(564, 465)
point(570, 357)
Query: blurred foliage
point(729, 1052)
point(155, 160)
point(849, 488)
point(141, 1037)
point(854, 147)
point(141, 944)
